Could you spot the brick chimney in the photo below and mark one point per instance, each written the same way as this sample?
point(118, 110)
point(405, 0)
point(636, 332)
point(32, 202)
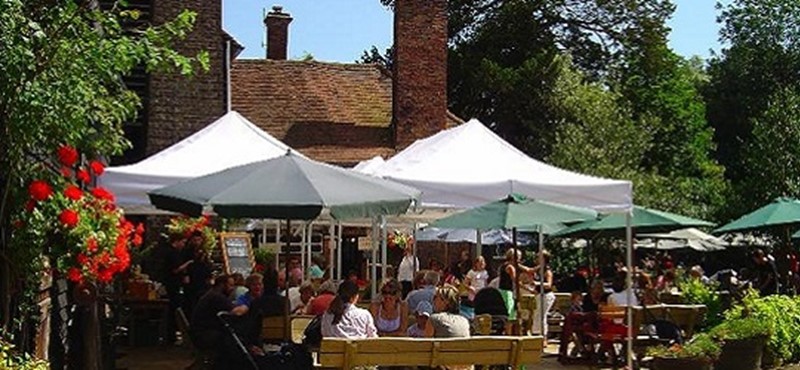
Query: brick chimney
point(419, 91)
point(277, 23)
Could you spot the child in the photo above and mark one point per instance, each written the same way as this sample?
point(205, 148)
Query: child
point(423, 312)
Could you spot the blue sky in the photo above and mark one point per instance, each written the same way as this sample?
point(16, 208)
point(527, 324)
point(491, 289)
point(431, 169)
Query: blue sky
point(340, 30)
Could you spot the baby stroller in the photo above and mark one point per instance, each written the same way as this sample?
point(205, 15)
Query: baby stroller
point(289, 357)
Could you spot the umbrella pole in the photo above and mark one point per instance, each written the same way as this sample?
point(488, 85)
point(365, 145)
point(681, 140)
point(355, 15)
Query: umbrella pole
point(478, 243)
point(542, 314)
point(374, 269)
point(384, 246)
point(331, 248)
point(629, 284)
point(339, 252)
point(288, 307)
point(517, 327)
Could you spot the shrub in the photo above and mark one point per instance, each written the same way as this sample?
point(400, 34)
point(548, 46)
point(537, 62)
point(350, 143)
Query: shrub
point(13, 360)
point(702, 346)
point(695, 292)
point(739, 329)
point(780, 315)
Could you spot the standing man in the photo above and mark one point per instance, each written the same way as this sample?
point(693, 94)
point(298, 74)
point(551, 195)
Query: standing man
point(177, 263)
point(409, 266)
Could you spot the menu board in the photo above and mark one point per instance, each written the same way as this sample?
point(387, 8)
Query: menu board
point(237, 253)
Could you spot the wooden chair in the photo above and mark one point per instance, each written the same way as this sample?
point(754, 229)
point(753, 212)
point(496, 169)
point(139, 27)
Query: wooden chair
point(612, 336)
point(482, 324)
point(274, 329)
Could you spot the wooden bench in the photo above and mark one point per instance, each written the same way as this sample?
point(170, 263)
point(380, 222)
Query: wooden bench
point(274, 329)
point(491, 350)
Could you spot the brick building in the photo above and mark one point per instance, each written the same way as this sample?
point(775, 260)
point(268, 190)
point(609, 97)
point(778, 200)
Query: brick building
point(345, 113)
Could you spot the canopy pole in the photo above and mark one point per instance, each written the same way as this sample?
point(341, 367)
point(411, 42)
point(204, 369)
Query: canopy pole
point(278, 243)
point(331, 247)
point(542, 314)
point(517, 326)
point(384, 246)
point(302, 250)
point(629, 285)
point(374, 270)
point(309, 237)
point(478, 243)
point(414, 249)
point(339, 252)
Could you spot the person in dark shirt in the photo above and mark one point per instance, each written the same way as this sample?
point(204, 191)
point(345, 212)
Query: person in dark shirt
point(206, 329)
point(271, 302)
point(199, 273)
point(766, 273)
point(577, 324)
point(176, 264)
point(460, 268)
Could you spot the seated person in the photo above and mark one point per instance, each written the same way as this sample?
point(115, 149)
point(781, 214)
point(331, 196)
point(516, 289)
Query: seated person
point(344, 319)
point(299, 302)
point(319, 304)
point(621, 296)
point(271, 302)
point(578, 323)
point(425, 293)
point(446, 322)
point(205, 328)
point(390, 313)
point(422, 313)
point(490, 301)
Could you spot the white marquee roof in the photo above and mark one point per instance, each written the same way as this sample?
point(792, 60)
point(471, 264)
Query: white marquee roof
point(230, 141)
point(469, 165)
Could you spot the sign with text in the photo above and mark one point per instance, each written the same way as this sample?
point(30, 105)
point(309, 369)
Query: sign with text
point(237, 253)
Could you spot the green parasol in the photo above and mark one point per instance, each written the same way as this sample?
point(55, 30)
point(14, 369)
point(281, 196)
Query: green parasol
point(782, 211)
point(644, 220)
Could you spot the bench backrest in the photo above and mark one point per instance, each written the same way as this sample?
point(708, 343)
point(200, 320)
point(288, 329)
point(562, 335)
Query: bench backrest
point(490, 350)
point(273, 328)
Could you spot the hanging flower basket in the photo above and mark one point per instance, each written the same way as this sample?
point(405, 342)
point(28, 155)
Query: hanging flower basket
point(186, 226)
point(399, 240)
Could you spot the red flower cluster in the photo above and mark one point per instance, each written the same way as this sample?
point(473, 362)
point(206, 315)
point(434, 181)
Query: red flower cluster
point(93, 237)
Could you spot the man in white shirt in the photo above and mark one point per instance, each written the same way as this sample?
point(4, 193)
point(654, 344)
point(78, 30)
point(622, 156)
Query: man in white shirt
point(408, 267)
point(620, 295)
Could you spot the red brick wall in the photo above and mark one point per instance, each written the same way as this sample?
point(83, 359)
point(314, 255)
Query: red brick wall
point(420, 76)
point(277, 23)
point(179, 106)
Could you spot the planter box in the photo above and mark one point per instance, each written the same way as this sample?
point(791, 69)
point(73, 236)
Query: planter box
point(741, 354)
point(681, 364)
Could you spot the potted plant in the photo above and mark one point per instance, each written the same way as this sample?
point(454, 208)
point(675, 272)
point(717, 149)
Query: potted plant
point(743, 341)
point(699, 353)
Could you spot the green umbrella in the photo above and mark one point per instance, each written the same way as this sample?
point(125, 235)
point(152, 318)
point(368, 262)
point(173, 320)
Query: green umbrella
point(517, 211)
point(781, 212)
point(644, 220)
point(287, 187)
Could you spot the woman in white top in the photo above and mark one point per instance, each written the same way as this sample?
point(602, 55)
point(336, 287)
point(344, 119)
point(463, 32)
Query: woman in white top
point(390, 313)
point(343, 319)
point(477, 278)
point(408, 267)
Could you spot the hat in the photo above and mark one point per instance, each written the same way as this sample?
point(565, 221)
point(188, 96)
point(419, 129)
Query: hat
point(424, 308)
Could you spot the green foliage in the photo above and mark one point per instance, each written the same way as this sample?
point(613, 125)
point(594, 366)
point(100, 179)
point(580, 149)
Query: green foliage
point(695, 291)
point(701, 346)
point(772, 155)
point(778, 315)
point(60, 84)
point(739, 329)
point(761, 60)
point(264, 257)
point(10, 359)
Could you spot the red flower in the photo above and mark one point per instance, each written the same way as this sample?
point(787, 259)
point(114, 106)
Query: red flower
point(73, 192)
point(66, 172)
point(69, 218)
point(18, 224)
point(67, 155)
point(97, 167)
point(82, 259)
point(91, 245)
point(102, 193)
point(30, 205)
point(74, 275)
point(104, 275)
point(140, 229)
point(137, 240)
point(83, 176)
point(40, 190)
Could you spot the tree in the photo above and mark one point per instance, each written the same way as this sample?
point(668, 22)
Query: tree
point(762, 59)
point(60, 85)
point(772, 156)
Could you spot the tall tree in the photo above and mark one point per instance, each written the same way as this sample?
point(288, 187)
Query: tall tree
point(60, 84)
point(772, 155)
point(762, 58)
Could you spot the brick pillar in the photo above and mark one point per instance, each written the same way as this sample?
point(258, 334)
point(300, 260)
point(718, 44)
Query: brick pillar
point(419, 91)
point(277, 23)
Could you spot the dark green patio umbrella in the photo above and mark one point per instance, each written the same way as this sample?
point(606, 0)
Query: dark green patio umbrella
point(782, 211)
point(644, 220)
point(513, 212)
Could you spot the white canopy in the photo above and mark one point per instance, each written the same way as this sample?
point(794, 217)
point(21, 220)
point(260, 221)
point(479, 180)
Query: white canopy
point(684, 238)
point(230, 141)
point(469, 165)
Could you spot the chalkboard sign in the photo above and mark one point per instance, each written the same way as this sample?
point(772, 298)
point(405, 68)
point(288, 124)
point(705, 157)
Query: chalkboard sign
point(237, 253)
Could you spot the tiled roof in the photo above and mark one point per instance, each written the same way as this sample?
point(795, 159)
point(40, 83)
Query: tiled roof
point(334, 112)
